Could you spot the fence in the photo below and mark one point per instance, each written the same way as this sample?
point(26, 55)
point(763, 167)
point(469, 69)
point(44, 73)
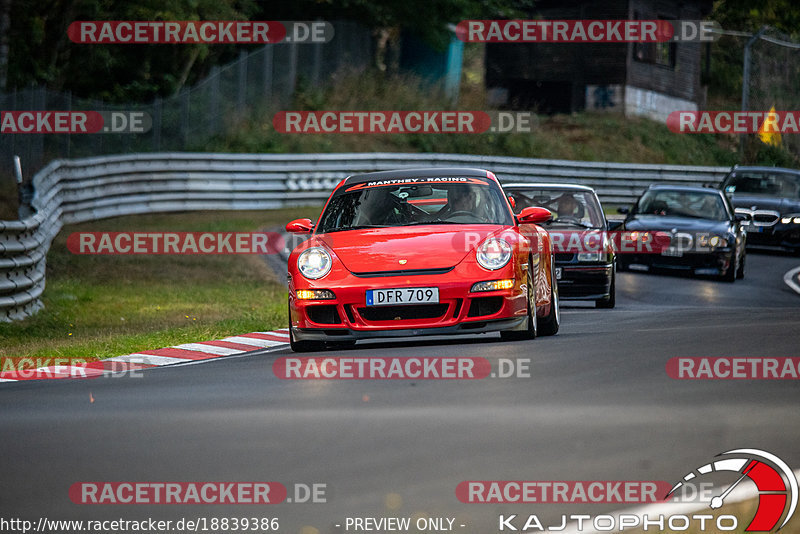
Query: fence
point(71, 191)
point(263, 79)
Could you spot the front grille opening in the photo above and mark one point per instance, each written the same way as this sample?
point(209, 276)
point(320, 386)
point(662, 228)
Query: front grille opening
point(765, 218)
point(323, 314)
point(485, 306)
point(457, 307)
point(349, 311)
point(402, 313)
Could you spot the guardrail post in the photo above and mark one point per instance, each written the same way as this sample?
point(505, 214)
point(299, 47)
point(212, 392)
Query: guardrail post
point(267, 73)
point(242, 96)
point(184, 119)
point(157, 124)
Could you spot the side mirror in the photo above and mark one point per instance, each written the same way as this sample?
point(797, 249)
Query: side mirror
point(534, 215)
point(300, 226)
point(623, 211)
point(512, 202)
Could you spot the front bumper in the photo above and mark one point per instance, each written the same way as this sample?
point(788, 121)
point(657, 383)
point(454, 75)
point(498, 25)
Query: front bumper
point(782, 236)
point(347, 334)
point(584, 281)
point(347, 317)
point(715, 262)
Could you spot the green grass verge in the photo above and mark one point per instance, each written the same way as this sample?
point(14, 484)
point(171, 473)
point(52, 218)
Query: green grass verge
point(103, 306)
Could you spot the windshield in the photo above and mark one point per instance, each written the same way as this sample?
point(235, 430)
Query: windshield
point(472, 201)
point(676, 203)
point(780, 184)
point(569, 207)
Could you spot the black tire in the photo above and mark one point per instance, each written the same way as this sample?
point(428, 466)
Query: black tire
point(549, 325)
point(740, 270)
point(532, 322)
point(611, 300)
point(303, 346)
point(730, 273)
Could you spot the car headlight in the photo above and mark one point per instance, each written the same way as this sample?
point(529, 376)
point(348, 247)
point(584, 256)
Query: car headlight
point(791, 218)
point(315, 294)
point(494, 253)
point(492, 285)
point(314, 263)
point(712, 241)
point(589, 256)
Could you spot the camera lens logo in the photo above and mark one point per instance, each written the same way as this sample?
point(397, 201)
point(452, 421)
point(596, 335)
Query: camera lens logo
point(774, 480)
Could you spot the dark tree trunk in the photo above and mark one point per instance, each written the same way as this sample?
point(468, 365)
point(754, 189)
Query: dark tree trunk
point(5, 29)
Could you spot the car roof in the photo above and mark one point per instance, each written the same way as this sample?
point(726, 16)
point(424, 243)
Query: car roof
point(765, 169)
point(420, 173)
point(565, 187)
point(684, 188)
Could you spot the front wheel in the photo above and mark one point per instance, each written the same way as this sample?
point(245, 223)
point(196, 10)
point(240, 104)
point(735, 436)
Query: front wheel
point(532, 325)
point(611, 300)
point(740, 270)
point(303, 346)
point(550, 324)
point(730, 273)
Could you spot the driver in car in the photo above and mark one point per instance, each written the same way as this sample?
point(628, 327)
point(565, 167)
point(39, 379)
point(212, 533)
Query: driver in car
point(460, 201)
point(569, 208)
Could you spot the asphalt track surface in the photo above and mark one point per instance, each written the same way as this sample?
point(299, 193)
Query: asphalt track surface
point(598, 406)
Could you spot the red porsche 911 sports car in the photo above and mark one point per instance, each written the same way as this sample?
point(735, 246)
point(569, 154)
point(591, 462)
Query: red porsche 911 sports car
point(420, 252)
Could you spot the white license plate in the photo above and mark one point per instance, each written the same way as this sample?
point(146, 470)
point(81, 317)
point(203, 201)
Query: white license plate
point(406, 295)
point(558, 273)
point(674, 252)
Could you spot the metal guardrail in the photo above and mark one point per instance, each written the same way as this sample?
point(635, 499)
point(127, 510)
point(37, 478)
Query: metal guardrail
point(72, 191)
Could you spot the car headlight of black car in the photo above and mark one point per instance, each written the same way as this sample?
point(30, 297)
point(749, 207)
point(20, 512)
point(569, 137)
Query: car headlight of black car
point(712, 241)
point(791, 218)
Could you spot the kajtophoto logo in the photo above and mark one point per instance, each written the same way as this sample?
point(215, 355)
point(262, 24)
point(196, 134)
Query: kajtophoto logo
point(775, 481)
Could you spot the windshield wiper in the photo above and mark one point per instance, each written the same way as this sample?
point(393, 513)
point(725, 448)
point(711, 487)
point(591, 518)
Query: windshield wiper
point(359, 227)
point(435, 221)
point(574, 223)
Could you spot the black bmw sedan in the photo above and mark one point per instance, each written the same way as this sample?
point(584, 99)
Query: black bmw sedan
point(705, 235)
point(769, 199)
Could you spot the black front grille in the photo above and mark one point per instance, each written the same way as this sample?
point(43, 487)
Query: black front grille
point(401, 313)
point(403, 272)
point(485, 306)
point(324, 314)
point(765, 218)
